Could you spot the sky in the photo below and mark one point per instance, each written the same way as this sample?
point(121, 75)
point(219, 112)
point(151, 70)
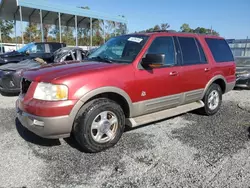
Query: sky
point(231, 18)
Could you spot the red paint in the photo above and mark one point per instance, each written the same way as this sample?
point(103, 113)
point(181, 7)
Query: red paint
point(84, 77)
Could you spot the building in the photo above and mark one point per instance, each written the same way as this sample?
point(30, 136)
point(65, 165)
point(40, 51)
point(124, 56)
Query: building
point(240, 47)
point(45, 12)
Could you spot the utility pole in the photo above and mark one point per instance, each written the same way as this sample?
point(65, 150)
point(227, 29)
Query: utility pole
point(246, 47)
point(1, 42)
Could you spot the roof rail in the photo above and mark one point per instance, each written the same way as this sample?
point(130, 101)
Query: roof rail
point(197, 33)
point(169, 31)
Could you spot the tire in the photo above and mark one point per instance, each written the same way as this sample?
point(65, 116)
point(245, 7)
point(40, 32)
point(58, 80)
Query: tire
point(6, 94)
point(209, 109)
point(91, 123)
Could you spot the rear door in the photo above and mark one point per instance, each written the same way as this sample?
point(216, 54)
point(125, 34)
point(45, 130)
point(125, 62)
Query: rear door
point(195, 68)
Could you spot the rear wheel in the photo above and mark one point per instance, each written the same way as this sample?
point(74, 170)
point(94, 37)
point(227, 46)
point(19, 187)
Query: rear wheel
point(212, 100)
point(99, 125)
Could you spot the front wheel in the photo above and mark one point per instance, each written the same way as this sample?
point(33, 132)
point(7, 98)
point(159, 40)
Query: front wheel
point(99, 125)
point(212, 100)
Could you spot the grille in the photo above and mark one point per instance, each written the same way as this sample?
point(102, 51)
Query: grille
point(25, 84)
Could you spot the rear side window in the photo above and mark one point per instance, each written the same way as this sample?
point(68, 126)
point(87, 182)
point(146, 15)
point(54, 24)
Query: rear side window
point(55, 46)
point(220, 50)
point(190, 53)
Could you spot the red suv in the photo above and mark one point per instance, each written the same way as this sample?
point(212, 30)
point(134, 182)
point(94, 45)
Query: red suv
point(130, 80)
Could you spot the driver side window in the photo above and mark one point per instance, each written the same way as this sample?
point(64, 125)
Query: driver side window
point(164, 45)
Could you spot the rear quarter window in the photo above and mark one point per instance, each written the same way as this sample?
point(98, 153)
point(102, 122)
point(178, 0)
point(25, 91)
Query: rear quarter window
point(220, 50)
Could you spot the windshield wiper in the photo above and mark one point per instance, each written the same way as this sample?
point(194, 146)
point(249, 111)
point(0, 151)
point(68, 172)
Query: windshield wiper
point(98, 58)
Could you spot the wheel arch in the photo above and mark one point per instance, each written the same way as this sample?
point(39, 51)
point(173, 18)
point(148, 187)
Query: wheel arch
point(113, 93)
point(218, 79)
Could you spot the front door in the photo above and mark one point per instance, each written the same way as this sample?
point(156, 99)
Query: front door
point(159, 88)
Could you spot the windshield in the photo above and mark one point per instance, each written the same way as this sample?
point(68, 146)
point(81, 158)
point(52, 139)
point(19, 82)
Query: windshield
point(242, 61)
point(25, 48)
point(122, 49)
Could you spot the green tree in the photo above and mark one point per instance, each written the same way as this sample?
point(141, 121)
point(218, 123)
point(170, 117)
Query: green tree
point(6, 29)
point(186, 28)
point(164, 26)
point(97, 39)
point(84, 33)
point(68, 36)
point(46, 31)
point(121, 27)
point(157, 28)
point(31, 33)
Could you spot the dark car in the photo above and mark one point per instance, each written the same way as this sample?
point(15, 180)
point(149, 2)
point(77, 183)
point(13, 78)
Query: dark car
point(10, 74)
point(32, 50)
point(242, 72)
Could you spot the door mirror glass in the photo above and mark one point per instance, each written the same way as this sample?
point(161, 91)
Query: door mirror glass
point(153, 60)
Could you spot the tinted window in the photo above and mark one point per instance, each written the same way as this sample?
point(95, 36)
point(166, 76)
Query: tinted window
point(202, 54)
point(220, 50)
point(37, 48)
point(189, 50)
point(55, 46)
point(163, 45)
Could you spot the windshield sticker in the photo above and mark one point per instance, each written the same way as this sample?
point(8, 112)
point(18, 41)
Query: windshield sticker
point(135, 39)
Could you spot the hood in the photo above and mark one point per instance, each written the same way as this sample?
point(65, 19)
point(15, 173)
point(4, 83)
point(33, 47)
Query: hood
point(26, 64)
point(55, 71)
point(10, 54)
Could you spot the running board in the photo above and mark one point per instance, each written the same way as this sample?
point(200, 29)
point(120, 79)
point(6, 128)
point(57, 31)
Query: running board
point(156, 116)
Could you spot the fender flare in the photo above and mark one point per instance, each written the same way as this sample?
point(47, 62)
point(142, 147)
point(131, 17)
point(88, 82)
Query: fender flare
point(217, 77)
point(98, 91)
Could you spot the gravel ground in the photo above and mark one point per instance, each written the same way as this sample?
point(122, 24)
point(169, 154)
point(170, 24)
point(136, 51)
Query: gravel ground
point(186, 151)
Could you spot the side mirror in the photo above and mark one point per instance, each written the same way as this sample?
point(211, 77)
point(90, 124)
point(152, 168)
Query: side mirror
point(153, 60)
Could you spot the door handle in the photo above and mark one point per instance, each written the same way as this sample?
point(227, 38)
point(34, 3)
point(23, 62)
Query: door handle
point(174, 73)
point(207, 69)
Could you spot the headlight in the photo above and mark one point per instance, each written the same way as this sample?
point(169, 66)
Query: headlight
point(51, 92)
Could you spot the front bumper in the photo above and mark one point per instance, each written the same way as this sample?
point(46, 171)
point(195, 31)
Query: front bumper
point(46, 127)
point(243, 82)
